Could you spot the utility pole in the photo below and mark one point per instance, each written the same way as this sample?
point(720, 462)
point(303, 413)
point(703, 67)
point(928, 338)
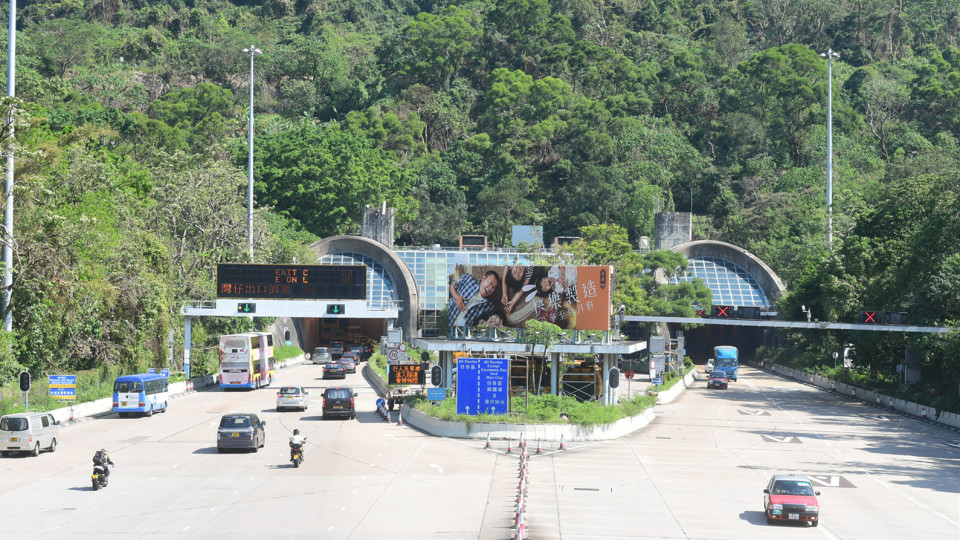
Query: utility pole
point(830, 55)
point(8, 185)
point(252, 51)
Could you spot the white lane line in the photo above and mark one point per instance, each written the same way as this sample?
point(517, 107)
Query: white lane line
point(187, 527)
point(212, 508)
point(330, 529)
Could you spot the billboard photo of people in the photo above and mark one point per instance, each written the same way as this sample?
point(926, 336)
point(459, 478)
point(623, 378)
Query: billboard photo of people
point(572, 297)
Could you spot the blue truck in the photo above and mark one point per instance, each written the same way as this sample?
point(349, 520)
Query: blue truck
point(726, 358)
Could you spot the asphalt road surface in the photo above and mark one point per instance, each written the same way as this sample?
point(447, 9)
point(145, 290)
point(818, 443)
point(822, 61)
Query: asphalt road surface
point(697, 472)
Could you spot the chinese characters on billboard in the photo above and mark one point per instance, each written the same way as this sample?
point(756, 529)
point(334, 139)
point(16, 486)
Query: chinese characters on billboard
point(571, 297)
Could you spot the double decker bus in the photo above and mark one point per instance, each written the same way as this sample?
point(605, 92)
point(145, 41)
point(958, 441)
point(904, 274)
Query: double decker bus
point(246, 360)
point(140, 393)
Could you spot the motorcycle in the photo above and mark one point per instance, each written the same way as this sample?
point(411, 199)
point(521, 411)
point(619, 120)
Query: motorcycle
point(296, 454)
point(99, 479)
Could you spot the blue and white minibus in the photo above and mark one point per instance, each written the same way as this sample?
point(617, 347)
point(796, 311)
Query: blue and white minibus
point(141, 393)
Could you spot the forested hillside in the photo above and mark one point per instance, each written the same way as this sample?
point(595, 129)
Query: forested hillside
point(471, 117)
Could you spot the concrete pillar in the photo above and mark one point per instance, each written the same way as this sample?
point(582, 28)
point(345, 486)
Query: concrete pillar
point(606, 380)
point(554, 372)
point(186, 345)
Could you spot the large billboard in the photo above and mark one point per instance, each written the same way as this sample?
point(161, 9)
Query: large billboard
point(572, 297)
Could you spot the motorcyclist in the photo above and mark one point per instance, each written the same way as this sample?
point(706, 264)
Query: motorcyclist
point(296, 441)
point(102, 458)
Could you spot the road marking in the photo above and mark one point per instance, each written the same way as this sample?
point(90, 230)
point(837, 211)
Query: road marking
point(831, 481)
point(783, 439)
point(754, 412)
point(439, 468)
point(212, 508)
point(954, 445)
point(343, 508)
point(187, 527)
point(330, 529)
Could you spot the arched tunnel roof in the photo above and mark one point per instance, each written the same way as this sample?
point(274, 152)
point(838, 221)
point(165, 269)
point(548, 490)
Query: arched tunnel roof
point(734, 275)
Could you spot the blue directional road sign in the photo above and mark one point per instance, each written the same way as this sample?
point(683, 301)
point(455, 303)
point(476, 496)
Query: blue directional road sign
point(63, 386)
point(436, 394)
point(482, 385)
point(658, 380)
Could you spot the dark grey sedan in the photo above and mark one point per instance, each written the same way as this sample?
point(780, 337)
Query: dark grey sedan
point(241, 431)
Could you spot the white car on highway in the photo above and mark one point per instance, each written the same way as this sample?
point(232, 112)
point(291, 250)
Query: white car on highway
point(292, 397)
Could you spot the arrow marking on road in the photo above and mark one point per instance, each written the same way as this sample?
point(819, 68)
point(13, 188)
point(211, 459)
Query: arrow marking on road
point(754, 412)
point(827, 481)
point(783, 439)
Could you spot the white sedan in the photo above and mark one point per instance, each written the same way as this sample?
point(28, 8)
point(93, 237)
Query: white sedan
point(292, 397)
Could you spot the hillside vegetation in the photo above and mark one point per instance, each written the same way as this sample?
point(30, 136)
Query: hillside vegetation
point(472, 117)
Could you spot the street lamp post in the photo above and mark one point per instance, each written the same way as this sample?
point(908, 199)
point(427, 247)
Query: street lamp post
point(8, 184)
point(252, 51)
point(830, 55)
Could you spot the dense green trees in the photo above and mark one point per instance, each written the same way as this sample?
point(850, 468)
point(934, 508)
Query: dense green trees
point(580, 116)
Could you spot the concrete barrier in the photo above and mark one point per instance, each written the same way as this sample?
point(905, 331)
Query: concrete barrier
point(666, 396)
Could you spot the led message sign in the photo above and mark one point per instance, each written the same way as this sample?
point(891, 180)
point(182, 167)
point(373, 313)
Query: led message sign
point(292, 281)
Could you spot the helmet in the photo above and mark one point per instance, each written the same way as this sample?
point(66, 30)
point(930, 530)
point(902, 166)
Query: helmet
point(296, 431)
point(104, 450)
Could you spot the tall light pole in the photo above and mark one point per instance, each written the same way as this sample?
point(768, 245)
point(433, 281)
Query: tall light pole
point(252, 51)
point(830, 55)
point(8, 185)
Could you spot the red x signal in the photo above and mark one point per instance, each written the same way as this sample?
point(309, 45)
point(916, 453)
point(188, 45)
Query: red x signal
point(870, 317)
point(721, 311)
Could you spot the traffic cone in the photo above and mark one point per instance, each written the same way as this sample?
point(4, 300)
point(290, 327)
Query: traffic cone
point(521, 530)
point(488, 441)
point(520, 444)
point(923, 413)
point(509, 445)
point(562, 446)
point(539, 450)
point(400, 417)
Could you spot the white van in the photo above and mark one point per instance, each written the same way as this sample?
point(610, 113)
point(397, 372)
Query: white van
point(28, 432)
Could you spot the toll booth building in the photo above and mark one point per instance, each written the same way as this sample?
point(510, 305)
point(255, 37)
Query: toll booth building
point(415, 282)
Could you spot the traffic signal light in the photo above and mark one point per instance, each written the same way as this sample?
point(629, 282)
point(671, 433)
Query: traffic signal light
point(246, 307)
point(748, 312)
point(24, 381)
point(335, 309)
point(723, 312)
point(614, 377)
point(436, 375)
point(870, 317)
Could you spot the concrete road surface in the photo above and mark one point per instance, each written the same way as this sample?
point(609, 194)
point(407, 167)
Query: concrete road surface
point(697, 472)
